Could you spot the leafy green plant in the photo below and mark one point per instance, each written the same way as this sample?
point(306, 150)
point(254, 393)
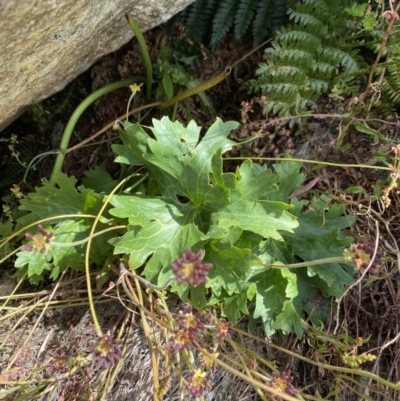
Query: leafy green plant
point(180, 198)
point(314, 54)
point(380, 33)
point(171, 78)
point(319, 53)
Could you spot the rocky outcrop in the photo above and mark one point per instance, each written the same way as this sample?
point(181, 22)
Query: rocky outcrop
point(45, 44)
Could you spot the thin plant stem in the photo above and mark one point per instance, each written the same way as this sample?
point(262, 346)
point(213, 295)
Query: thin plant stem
point(83, 241)
point(145, 54)
point(75, 117)
point(147, 331)
point(247, 378)
point(22, 230)
point(363, 373)
point(380, 52)
point(291, 159)
point(87, 253)
point(108, 126)
point(134, 88)
point(124, 271)
point(335, 259)
point(194, 91)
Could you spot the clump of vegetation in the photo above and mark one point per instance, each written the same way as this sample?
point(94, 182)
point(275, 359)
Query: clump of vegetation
point(317, 54)
point(252, 241)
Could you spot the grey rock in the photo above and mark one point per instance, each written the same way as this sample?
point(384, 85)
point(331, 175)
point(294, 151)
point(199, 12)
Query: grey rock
point(45, 44)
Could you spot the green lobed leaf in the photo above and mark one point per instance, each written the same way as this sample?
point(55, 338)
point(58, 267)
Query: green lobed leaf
point(234, 305)
point(310, 297)
point(248, 211)
point(321, 218)
point(68, 231)
point(197, 296)
point(49, 201)
point(166, 230)
point(329, 245)
point(184, 165)
point(290, 180)
point(289, 320)
point(5, 228)
point(63, 199)
point(37, 263)
point(99, 180)
point(135, 145)
point(263, 217)
point(317, 237)
point(253, 186)
point(58, 201)
point(230, 265)
point(271, 287)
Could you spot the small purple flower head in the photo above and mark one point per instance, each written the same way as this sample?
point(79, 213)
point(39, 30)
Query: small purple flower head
point(58, 362)
point(362, 256)
point(190, 268)
point(198, 382)
point(222, 328)
point(40, 241)
point(283, 382)
point(182, 339)
point(190, 321)
point(107, 352)
point(189, 326)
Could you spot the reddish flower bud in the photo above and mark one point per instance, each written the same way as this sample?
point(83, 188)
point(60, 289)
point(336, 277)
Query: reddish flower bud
point(107, 352)
point(40, 241)
point(190, 268)
point(362, 257)
point(283, 382)
point(222, 328)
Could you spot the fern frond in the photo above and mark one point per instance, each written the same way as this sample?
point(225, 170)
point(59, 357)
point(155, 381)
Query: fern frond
point(375, 43)
point(391, 82)
point(244, 16)
point(301, 39)
point(357, 10)
point(290, 57)
point(304, 18)
point(223, 21)
point(338, 56)
point(324, 70)
point(278, 15)
point(196, 19)
point(262, 20)
point(209, 20)
point(364, 14)
point(369, 22)
point(316, 86)
point(303, 59)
